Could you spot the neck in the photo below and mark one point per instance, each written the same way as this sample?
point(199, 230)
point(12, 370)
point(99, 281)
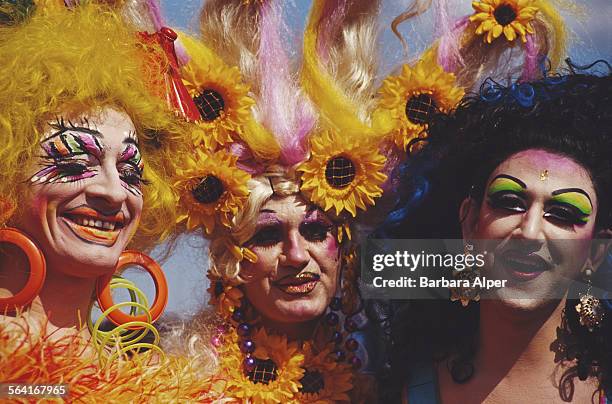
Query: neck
point(63, 302)
point(300, 331)
point(515, 341)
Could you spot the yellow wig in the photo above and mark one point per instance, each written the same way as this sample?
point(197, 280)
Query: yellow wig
point(72, 62)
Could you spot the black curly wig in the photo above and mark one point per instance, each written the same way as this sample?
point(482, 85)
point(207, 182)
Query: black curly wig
point(570, 115)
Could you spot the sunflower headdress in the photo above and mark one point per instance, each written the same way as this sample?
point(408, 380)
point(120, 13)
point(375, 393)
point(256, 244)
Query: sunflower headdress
point(469, 48)
point(414, 95)
point(219, 93)
point(337, 161)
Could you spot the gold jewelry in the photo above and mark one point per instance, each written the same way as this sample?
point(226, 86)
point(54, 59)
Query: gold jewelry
point(466, 294)
point(590, 310)
point(544, 175)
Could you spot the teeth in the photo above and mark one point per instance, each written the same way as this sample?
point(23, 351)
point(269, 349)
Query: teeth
point(82, 221)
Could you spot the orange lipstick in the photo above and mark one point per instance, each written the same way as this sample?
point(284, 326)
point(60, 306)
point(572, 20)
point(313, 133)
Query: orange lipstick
point(92, 226)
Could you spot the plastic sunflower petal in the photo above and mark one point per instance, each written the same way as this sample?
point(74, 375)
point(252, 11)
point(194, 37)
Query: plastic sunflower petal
point(509, 33)
point(497, 31)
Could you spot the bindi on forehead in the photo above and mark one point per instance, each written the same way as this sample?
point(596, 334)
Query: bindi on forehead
point(542, 168)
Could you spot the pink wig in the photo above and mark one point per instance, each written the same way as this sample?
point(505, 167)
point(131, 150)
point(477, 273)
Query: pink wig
point(284, 110)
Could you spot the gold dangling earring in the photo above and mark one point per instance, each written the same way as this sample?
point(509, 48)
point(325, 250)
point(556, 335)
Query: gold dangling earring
point(589, 309)
point(466, 294)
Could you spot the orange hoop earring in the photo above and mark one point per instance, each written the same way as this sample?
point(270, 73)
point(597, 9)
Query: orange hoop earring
point(103, 290)
point(38, 270)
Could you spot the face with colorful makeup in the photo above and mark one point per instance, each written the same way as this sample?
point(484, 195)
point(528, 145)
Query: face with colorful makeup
point(539, 211)
point(297, 271)
point(84, 198)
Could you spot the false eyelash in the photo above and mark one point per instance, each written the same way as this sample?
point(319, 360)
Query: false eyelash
point(52, 173)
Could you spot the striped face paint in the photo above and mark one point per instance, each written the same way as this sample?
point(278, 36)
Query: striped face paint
point(131, 166)
point(66, 153)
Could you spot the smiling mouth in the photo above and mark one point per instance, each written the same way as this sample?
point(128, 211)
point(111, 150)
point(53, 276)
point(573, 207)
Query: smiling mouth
point(94, 227)
point(300, 284)
point(524, 267)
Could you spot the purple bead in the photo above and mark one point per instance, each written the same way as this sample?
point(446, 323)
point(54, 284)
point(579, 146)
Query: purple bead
point(237, 315)
point(350, 325)
point(249, 364)
point(244, 329)
point(351, 344)
point(332, 318)
point(247, 346)
point(337, 337)
point(336, 304)
point(216, 341)
point(355, 362)
point(339, 355)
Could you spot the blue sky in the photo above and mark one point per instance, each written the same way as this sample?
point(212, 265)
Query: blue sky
point(591, 39)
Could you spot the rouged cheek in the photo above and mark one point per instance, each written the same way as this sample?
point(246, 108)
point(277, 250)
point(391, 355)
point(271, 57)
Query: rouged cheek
point(331, 246)
point(491, 225)
point(263, 268)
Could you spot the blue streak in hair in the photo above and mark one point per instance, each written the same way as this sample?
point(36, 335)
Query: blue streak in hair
point(421, 188)
point(607, 300)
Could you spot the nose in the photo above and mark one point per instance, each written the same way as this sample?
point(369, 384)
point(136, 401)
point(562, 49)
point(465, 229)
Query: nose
point(295, 253)
point(107, 189)
point(532, 224)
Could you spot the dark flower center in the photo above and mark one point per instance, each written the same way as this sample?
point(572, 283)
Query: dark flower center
point(420, 108)
point(210, 104)
point(339, 172)
point(208, 190)
point(504, 14)
point(264, 371)
point(312, 382)
point(219, 288)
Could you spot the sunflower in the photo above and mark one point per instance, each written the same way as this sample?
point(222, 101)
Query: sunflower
point(212, 189)
point(342, 173)
point(415, 95)
point(219, 94)
point(224, 295)
point(512, 17)
point(275, 378)
point(325, 380)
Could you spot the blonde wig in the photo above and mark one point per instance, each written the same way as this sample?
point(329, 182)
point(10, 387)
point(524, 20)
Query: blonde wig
point(74, 62)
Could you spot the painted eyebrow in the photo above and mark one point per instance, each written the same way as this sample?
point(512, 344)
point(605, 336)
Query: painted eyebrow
point(509, 177)
point(60, 126)
point(64, 144)
point(568, 190)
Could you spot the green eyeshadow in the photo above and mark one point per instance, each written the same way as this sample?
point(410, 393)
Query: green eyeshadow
point(504, 184)
point(576, 199)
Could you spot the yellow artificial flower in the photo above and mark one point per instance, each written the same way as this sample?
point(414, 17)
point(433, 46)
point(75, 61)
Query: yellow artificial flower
point(342, 172)
point(415, 94)
point(219, 94)
point(512, 17)
point(211, 188)
point(325, 380)
point(276, 376)
point(226, 296)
